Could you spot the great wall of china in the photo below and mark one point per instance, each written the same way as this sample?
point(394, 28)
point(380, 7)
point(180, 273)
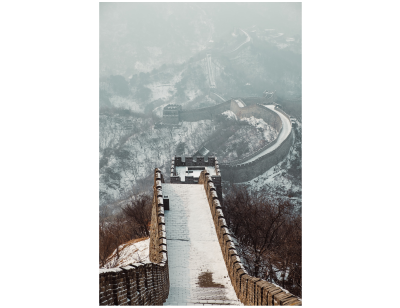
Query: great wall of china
point(192, 271)
point(255, 164)
point(141, 284)
point(186, 217)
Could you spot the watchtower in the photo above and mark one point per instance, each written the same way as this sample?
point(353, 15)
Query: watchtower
point(171, 114)
point(186, 170)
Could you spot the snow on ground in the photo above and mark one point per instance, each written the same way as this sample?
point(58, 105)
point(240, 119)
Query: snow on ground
point(164, 90)
point(159, 110)
point(125, 103)
point(230, 114)
point(279, 181)
point(272, 178)
point(144, 149)
point(130, 252)
point(269, 132)
point(161, 91)
point(286, 129)
point(193, 93)
point(240, 104)
point(197, 270)
point(184, 171)
point(147, 66)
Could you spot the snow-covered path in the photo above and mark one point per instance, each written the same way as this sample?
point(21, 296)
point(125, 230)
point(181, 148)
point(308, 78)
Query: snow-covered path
point(197, 270)
point(286, 129)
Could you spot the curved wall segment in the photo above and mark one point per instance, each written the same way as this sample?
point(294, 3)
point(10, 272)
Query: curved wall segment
point(257, 163)
point(263, 159)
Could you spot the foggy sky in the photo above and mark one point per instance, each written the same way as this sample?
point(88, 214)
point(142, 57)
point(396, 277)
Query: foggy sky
point(179, 30)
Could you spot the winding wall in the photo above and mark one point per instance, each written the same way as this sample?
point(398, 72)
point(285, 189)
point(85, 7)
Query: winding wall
point(257, 163)
point(246, 171)
point(144, 283)
point(208, 113)
point(249, 290)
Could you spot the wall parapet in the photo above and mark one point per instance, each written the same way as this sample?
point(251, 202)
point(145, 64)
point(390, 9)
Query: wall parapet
point(248, 170)
point(250, 290)
point(250, 156)
point(206, 113)
point(264, 148)
point(144, 283)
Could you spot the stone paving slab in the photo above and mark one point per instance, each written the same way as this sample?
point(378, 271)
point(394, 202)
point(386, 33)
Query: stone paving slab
point(197, 271)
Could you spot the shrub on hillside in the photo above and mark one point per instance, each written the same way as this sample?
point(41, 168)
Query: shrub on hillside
point(269, 237)
point(131, 223)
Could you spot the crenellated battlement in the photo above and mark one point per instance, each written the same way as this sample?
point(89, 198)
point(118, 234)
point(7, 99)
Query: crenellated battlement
point(186, 170)
point(251, 291)
point(145, 283)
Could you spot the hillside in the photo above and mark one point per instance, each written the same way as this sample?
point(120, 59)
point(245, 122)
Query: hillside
point(241, 62)
point(130, 252)
point(284, 180)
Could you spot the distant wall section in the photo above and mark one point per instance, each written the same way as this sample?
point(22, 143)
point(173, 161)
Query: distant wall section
point(208, 113)
point(241, 171)
point(211, 161)
point(247, 171)
point(258, 111)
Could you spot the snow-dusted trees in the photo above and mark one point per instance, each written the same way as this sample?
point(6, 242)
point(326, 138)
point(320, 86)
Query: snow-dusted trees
point(138, 214)
point(131, 223)
point(269, 237)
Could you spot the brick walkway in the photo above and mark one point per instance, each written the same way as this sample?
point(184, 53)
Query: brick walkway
point(197, 271)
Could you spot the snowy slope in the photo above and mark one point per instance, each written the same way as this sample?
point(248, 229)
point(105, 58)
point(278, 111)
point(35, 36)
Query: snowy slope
point(284, 179)
point(130, 252)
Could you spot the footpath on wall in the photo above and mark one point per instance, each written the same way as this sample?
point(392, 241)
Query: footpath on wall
point(201, 265)
point(286, 130)
point(197, 270)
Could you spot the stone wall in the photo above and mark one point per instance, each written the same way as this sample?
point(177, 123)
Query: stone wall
point(170, 119)
point(144, 283)
point(239, 171)
point(244, 172)
point(249, 290)
point(207, 113)
point(193, 161)
point(255, 100)
point(258, 111)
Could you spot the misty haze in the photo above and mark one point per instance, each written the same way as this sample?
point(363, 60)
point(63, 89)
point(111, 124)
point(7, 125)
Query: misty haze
point(200, 154)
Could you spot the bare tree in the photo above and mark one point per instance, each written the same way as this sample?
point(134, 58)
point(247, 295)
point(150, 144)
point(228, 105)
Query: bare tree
point(138, 212)
point(269, 236)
